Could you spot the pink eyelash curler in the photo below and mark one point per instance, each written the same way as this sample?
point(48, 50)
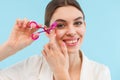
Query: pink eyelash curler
point(33, 24)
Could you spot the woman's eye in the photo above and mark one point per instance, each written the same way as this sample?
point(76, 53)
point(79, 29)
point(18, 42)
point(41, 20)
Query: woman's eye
point(60, 26)
point(78, 23)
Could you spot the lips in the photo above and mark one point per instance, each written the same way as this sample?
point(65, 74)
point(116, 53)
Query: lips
point(71, 42)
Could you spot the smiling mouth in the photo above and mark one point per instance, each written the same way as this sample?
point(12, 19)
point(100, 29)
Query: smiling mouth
point(71, 42)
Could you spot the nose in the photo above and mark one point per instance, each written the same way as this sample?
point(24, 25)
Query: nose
point(71, 31)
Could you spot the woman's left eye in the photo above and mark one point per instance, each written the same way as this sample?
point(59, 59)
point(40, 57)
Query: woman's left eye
point(78, 23)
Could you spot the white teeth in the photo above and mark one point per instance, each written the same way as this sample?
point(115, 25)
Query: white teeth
point(71, 42)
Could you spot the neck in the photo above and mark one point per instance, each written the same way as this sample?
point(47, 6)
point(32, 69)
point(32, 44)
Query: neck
point(75, 60)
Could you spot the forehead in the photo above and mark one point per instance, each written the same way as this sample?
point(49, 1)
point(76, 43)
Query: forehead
point(66, 13)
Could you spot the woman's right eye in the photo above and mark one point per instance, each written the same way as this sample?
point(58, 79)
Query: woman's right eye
point(60, 26)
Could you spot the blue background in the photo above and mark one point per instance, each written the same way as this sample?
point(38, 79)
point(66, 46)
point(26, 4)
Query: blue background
point(102, 40)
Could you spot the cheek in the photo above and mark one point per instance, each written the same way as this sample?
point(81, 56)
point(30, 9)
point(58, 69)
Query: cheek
point(59, 34)
point(81, 31)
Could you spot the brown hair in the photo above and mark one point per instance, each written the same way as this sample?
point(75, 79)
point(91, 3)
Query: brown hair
point(54, 4)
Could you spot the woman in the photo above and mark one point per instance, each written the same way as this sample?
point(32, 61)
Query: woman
point(62, 58)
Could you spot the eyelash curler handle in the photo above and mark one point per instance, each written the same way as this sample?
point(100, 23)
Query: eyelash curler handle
point(36, 35)
point(33, 24)
point(51, 27)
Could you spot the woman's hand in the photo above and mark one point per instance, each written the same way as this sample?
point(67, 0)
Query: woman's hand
point(21, 35)
point(19, 39)
point(57, 57)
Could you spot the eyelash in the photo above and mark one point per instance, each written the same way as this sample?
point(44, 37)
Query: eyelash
point(78, 23)
point(62, 25)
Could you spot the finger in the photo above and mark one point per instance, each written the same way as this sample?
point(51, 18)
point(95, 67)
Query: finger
point(25, 26)
point(63, 48)
point(44, 54)
point(25, 23)
point(32, 30)
point(36, 29)
point(47, 48)
point(18, 24)
point(52, 36)
point(48, 52)
point(21, 23)
point(17, 27)
point(53, 43)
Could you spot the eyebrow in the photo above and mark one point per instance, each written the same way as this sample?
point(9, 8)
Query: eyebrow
point(61, 20)
point(78, 18)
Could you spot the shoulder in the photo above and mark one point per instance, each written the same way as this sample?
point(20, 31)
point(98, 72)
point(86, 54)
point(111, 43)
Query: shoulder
point(33, 62)
point(101, 71)
point(94, 70)
point(24, 68)
point(98, 67)
point(98, 70)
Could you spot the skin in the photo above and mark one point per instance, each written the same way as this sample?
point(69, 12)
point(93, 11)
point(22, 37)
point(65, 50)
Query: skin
point(62, 52)
point(20, 38)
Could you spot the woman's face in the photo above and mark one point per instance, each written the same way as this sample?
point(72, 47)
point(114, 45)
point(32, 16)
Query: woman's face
point(71, 27)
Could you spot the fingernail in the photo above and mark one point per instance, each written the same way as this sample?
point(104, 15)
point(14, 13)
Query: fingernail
point(24, 25)
point(63, 44)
